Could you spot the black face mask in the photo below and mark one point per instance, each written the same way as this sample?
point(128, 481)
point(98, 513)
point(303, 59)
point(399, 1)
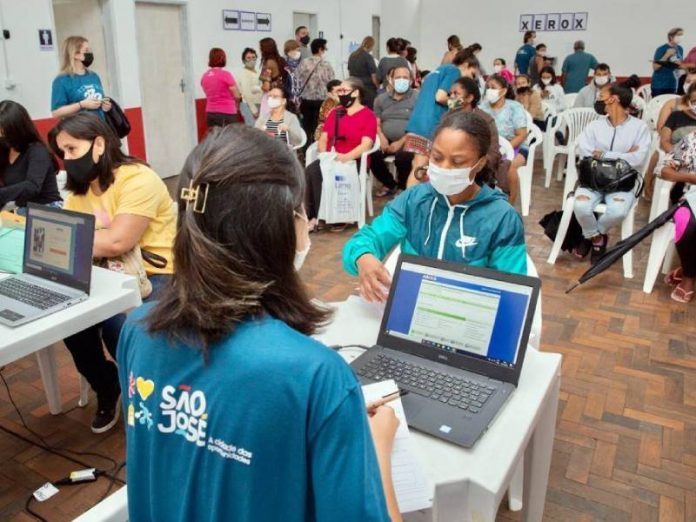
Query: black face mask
point(304, 40)
point(523, 90)
point(82, 170)
point(88, 59)
point(600, 107)
point(346, 100)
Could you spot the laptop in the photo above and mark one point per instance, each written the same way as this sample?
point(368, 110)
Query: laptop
point(455, 337)
point(57, 266)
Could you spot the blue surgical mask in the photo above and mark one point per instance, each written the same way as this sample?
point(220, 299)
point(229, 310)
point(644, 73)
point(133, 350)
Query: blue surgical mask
point(401, 85)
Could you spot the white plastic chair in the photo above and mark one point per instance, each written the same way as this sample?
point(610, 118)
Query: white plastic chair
point(311, 154)
point(662, 245)
point(575, 120)
point(645, 92)
point(569, 203)
point(569, 99)
point(301, 144)
point(652, 111)
point(506, 149)
point(525, 172)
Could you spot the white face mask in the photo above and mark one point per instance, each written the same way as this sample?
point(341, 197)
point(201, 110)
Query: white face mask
point(546, 81)
point(693, 106)
point(687, 85)
point(274, 103)
point(497, 68)
point(493, 95)
point(601, 80)
point(295, 55)
point(449, 182)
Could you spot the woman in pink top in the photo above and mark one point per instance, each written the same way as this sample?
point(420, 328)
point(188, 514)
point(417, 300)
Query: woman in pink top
point(221, 92)
point(350, 129)
point(499, 67)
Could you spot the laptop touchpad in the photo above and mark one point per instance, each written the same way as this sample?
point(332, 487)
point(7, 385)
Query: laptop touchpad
point(413, 405)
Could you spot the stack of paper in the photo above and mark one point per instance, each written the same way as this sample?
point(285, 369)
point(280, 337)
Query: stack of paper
point(413, 491)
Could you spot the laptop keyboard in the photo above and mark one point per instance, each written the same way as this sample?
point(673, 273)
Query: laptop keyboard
point(455, 391)
point(28, 293)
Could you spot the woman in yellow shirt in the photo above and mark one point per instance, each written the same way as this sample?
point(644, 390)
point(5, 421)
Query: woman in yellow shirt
point(132, 207)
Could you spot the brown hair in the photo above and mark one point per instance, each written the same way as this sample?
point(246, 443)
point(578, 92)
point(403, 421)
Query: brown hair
point(217, 57)
point(290, 46)
point(71, 46)
point(367, 44)
point(234, 261)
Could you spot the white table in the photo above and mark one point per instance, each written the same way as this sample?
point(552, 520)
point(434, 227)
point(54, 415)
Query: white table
point(111, 294)
point(469, 484)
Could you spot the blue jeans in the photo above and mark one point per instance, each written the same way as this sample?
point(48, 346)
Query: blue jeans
point(88, 353)
point(618, 206)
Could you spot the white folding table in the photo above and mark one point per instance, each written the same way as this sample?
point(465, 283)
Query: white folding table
point(111, 294)
point(470, 483)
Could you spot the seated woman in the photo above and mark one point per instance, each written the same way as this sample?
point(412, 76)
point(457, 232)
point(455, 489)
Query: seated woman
point(327, 106)
point(681, 168)
point(27, 169)
point(511, 120)
point(530, 100)
point(500, 67)
point(429, 219)
point(132, 207)
point(549, 89)
point(350, 130)
point(618, 136)
point(679, 123)
point(280, 123)
point(265, 408)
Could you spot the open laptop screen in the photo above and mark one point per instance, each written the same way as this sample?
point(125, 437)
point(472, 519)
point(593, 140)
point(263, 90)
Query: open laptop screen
point(460, 313)
point(58, 246)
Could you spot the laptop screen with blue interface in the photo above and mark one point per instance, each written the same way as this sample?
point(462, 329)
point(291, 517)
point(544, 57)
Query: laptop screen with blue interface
point(460, 313)
point(58, 246)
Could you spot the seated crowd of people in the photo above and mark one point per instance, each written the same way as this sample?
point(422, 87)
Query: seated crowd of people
point(229, 317)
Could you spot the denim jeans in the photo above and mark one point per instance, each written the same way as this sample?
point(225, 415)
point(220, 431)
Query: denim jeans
point(618, 205)
point(88, 353)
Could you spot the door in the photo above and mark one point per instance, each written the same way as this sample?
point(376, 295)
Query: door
point(309, 20)
point(163, 83)
point(84, 18)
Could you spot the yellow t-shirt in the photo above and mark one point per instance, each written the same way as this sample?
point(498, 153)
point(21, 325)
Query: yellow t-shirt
point(139, 191)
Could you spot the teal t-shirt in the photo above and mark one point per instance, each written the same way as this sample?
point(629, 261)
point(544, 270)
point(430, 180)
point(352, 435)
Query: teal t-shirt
point(73, 88)
point(427, 112)
point(576, 68)
point(665, 78)
point(272, 427)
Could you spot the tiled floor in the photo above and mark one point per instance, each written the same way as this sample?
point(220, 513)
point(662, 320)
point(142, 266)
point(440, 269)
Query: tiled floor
point(625, 444)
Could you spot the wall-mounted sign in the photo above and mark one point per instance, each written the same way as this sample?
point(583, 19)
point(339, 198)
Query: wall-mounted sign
point(554, 22)
point(247, 21)
point(263, 22)
point(230, 20)
point(45, 39)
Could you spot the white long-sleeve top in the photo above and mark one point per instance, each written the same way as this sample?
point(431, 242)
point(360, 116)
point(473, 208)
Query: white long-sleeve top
point(556, 96)
point(616, 142)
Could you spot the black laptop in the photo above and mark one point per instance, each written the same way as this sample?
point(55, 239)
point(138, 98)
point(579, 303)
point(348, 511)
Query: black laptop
point(455, 337)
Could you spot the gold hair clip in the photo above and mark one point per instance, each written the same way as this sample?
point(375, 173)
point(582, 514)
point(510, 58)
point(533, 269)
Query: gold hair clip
point(191, 194)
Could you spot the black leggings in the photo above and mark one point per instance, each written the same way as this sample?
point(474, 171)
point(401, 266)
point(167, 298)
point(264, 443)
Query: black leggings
point(310, 117)
point(686, 248)
point(402, 161)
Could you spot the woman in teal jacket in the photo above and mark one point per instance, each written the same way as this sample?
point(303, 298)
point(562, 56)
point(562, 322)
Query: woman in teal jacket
point(456, 217)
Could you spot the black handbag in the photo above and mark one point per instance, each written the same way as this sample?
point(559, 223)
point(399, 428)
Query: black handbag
point(118, 120)
point(608, 175)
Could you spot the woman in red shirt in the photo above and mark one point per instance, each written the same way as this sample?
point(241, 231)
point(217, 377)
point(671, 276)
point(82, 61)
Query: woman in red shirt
point(350, 130)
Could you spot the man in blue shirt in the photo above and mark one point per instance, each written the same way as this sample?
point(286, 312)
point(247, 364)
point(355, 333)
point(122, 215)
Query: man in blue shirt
point(526, 53)
point(576, 68)
point(671, 55)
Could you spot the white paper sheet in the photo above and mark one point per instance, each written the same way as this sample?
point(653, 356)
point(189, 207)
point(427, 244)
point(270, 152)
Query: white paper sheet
point(413, 491)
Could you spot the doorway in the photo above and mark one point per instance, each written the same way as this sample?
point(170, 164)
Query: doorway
point(167, 101)
point(84, 18)
point(376, 30)
point(309, 20)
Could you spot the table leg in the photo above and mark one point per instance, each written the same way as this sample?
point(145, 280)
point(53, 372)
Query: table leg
point(49, 376)
point(516, 487)
point(537, 457)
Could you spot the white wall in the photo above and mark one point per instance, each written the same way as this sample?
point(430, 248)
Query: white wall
point(623, 33)
point(352, 18)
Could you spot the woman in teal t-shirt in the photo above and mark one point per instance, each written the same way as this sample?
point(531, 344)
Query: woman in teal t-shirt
point(232, 411)
point(77, 88)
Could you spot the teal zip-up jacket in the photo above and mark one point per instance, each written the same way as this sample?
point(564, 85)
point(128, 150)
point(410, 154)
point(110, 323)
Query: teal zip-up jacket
point(486, 231)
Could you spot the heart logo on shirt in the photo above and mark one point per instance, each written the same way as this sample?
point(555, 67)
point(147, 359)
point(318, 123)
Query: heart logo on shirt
point(145, 387)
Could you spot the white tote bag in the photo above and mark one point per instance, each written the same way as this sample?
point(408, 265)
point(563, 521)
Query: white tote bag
point(340, 191)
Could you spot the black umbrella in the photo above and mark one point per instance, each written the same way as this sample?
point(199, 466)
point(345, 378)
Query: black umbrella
point(613, 254)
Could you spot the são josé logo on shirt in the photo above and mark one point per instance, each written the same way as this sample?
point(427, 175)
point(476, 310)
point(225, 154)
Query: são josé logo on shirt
point(182, 411)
